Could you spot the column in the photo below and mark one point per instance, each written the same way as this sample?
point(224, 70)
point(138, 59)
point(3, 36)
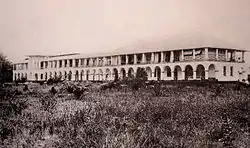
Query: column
point(97, 62)
point(193, 54)
point(126, 59)
point(73, 62)
point(119, 60)
point(63, 63)
point(91, 62)
point(152, 58)
point(143, 58)
point(135, 59)
point(206, 74)
point(194, 75)
point(104, 61)
point(172, 75)
point(162, 57)
point(171, 56)
point(183, 75)
point(69, 64)
point(182, 55)
point(85, 62)
point(217, 54)
point(226, 55)
point(206, 53)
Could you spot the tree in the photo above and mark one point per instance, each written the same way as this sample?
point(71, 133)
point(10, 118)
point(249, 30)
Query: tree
point(5, 69)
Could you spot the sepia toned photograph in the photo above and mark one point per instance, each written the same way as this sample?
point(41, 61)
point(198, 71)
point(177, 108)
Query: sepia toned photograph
point(125, 73)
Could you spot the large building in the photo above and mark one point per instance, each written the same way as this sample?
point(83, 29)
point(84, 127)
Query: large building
point(185, 59)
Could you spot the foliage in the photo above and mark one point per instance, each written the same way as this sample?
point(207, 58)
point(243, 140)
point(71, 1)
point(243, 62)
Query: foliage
point(5, 69)
point(181, 116)
point(54, 80)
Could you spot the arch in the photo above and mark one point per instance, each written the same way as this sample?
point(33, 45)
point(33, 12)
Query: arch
point(100, 75)
point(200, 72)
point(115, 73)
point(77, 76)
point(60, 75)
point(65, 75)
point(70, 76)
point(157, 73)
point(46, 76)
point(87, 75)
point(25, 76)
point(41, 76)
point(55, 74)
point(81, 75)
point(211, 71)
point(177, 72)
point(131, 72)
point(149, 72)
point(50, 75)
point(21, 75)
point(108, 74)
point(36, 76)
point(167, 71)
point(189, 72)
point(123, 73)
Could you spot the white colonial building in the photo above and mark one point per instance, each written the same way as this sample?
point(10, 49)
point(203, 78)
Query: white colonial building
point(193, 59)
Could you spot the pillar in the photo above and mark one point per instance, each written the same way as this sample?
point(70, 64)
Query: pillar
point(183, 75)
point(63, 63)
point(171, 56)
point(119, 60)
point(143, 58)
point(193, 54)
point(126, 59)
point(194, 75)
point(162, 57)
point(226, 55)
point(85, 62)
point(104, 61)
point(73, 62)
point(182, 55)
point(152, 58)
point(217, 54)
point(206, 53)
point(206, 74)
point(172, 75)
point(135, 59)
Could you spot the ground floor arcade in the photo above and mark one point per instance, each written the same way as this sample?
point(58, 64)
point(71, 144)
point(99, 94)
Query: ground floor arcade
point(222, 71)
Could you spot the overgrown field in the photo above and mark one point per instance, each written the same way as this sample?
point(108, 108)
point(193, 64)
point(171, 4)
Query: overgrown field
point(169, 116)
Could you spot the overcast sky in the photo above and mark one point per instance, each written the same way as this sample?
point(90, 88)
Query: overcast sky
point(66, 26)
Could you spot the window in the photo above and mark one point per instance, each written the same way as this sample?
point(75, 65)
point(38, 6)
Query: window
point(224, 70)
point(70, 63)
point(231, 71)
point(82, 61)
point(87, 62)
point(60, 63)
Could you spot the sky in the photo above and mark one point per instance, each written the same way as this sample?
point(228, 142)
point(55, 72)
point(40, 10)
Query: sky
point(92, 26)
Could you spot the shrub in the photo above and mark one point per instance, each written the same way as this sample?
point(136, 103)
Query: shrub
point(25, 88)
point(53, 90)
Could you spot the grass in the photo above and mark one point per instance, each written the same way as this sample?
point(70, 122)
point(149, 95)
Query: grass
point(181, 116)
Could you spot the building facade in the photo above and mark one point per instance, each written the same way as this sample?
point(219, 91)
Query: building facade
point(177, 64)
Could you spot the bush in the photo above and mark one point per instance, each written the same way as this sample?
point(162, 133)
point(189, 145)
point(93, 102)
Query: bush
point(54, 80)
point(25, 88)
point(53, 90)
